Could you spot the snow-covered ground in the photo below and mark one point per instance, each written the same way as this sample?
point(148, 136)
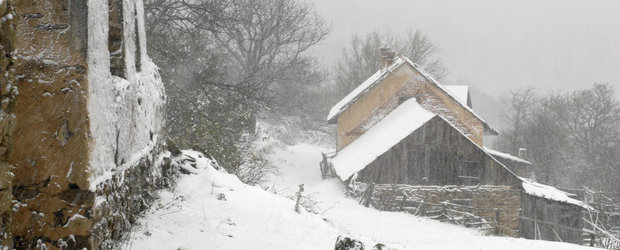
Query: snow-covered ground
point(192, 217)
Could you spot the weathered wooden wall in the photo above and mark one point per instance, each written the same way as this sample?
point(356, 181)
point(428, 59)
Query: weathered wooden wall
point(437, 154)
point(545, 219)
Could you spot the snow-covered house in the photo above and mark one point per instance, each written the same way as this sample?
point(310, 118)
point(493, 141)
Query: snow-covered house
point(401, 126)
point(89, 142)
point(389, 87)
point(412, 145)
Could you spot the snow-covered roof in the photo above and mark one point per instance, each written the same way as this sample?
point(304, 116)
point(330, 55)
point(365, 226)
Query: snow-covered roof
point(362, 88)
point(551, 193)
point(506, 156)
point(343, 104)
point(397, 125)
point(461, 92)
point(434, 82)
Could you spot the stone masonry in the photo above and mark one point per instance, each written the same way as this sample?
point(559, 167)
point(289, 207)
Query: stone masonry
point(8, 91)
point(88, 134)
point(489, 202)
point(51, 138)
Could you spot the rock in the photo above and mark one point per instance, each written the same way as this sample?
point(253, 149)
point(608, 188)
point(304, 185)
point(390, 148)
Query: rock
point(346, 243)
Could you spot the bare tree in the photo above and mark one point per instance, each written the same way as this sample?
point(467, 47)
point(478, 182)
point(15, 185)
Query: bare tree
point(223, 60)
point(267, 40)
point(573, 139)
point(594, 127)
point(520, 107)
point(361, 58)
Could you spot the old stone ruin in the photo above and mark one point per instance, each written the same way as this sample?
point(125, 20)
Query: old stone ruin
point(82, 141)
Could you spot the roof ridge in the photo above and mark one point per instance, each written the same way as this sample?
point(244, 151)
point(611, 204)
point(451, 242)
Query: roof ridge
point(356, 93)
point(440, 86)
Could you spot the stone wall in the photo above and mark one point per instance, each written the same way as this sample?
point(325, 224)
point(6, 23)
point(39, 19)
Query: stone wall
point(360, 110)
point(402, 83)
point(488, 202)
point(119, 204)
point(432, 99)
point(8, 91)
point(89, 146)
point(52, 134)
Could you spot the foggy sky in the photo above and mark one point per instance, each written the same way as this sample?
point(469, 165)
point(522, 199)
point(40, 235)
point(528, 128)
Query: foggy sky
point(495, 45)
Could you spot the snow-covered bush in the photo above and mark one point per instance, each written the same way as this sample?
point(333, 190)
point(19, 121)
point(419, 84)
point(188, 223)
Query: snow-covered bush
point(255, 169)
point(291, 130)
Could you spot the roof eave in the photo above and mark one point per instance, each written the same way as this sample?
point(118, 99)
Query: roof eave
point(488, 130)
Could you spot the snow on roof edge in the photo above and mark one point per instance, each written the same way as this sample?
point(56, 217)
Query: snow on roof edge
point(449, 123)
point(551, 193)
point(436, 83)
point(396, 126)
point(337, 109)
point(461, 92)
point(356, 93)
point(506, 155)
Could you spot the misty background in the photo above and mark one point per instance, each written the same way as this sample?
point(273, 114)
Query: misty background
point(238, 72)
point(494, 45)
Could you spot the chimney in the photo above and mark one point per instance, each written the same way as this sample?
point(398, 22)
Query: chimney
point(523, 153)
point(388, 56)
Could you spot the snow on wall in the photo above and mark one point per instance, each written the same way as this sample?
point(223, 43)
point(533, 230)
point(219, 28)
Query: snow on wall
point(436, 83)
point(343, 104)
point(126, 115)
point(433, 103)
point(362, 88)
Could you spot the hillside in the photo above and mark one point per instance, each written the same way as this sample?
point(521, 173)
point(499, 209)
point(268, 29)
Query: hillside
point(192, 217)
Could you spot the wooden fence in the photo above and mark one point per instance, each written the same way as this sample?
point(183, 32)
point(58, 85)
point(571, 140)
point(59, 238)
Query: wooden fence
point(492, 220)
point(327, 169)
point(602, 227)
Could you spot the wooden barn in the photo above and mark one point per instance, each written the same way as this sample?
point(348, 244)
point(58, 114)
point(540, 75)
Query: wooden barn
point(402, 127)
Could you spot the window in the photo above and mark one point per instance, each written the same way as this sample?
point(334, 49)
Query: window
point(138, 57)
point(115, 38)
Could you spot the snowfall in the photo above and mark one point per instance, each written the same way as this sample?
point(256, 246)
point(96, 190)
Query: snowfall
point(210, 209)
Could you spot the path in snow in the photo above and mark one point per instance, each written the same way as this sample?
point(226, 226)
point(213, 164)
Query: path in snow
point(192, 217)
point(300, 164)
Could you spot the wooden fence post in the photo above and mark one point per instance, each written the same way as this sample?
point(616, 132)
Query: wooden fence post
point(368, 194)
point(497, 227)
point(324, 166)
point(298, 203)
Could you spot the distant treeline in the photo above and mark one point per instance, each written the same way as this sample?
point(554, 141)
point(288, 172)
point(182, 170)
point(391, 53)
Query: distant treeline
point(572, 138)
